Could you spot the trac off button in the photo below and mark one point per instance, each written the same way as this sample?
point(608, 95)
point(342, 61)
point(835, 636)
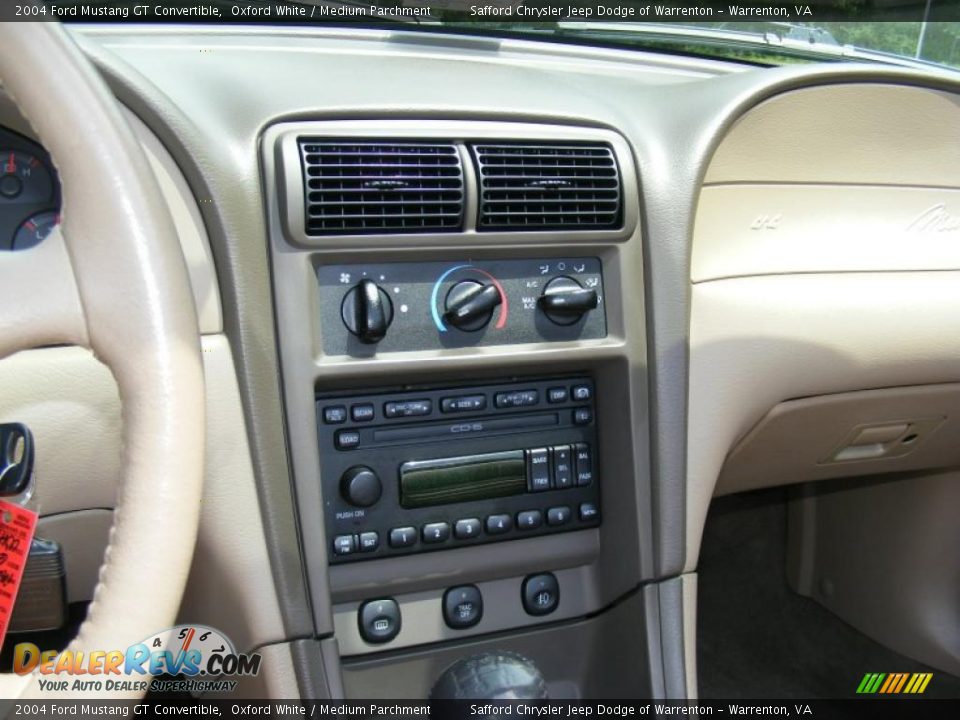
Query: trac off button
point(462, 606)
point(540, 594)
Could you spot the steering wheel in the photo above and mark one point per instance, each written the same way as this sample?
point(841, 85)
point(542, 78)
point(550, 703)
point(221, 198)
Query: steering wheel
point(111, 278)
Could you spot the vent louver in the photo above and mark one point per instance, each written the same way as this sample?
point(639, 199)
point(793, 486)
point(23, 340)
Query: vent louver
point(562, 186)
point(365, 187)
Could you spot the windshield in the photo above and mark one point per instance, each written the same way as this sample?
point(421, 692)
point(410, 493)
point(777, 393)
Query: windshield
point(916, 33)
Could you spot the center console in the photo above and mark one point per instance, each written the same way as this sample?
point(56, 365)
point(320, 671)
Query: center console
point(465, 387)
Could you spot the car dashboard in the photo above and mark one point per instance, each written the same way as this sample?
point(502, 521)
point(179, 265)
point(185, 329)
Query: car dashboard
point(499, 318)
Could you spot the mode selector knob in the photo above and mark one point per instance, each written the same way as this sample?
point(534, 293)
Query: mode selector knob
point(470, 305)
point(564, 301)
point(360, 486)
point(367, 311)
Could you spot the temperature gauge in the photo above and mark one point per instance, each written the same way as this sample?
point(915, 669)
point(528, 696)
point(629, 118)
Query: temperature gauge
point(24, 178)
point(35, 229)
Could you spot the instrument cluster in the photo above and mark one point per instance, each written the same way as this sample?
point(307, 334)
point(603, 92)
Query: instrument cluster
point(29, 192)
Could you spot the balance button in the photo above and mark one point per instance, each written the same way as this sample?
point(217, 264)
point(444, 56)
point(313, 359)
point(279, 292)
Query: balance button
point(403, 537)
point(379, 620)
point(347, 439)
point(344, 544)
point(362, 413)
point(540, 594)
point(538, 470)
point(334, 415)
point(529, 519)
point(557, 395)
point(369, 541)
point(436, 532)
point(583, 462)
point(462, 606)
point(588, 512)
point(582, 416)
point(466, 529)
point(499, 524)
point(558, 515)
point(562, 466)
point(581, 392)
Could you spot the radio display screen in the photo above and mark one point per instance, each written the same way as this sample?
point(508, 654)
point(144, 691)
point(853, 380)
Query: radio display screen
point(462, 479)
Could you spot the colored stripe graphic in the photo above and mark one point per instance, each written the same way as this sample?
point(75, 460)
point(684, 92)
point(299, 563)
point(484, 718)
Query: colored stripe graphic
point(894, 683)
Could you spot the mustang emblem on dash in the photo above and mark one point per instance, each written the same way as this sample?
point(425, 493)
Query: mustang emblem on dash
point(935, 219)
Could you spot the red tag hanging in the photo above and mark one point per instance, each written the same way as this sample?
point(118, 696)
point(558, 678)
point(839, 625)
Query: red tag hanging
point(16, 533)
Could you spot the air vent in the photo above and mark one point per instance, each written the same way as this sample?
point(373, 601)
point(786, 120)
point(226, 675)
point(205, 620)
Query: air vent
point(562, 186)
point(365, 187)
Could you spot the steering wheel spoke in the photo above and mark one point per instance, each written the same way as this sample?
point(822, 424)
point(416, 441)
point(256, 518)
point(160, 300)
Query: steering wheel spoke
point(39, 304)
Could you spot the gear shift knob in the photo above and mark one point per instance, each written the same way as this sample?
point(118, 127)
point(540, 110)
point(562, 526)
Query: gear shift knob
point(491, 676)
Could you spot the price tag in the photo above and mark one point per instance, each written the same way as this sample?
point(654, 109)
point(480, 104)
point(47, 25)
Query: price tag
point(17, 525)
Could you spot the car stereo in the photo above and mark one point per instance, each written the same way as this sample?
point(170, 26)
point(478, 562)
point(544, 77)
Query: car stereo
point(434, 468)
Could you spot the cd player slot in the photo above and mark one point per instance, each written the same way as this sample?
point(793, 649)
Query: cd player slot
point(480, 426)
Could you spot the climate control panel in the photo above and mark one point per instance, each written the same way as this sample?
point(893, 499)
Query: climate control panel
point(384, 307)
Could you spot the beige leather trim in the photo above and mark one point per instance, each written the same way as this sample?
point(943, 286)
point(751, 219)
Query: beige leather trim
point(755, 342)
point(70, 402)
point(230, 586)
point(140, 319)
point(189, 224)
point(855, 133)
point(767, 229)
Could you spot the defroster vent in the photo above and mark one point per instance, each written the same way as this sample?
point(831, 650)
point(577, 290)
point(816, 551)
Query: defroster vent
point(365, 187)
point(548, 186)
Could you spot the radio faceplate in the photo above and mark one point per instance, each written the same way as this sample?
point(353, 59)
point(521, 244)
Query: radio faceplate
point(436, 468)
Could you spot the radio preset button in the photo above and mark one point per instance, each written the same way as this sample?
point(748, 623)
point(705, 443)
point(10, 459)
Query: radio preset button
point(407, 408)
point(369, 541)
point(466, 529)
point(538, 470)
point(588, 511)
point(362, 413)
point(403, 537)
point(582, 416)
point(583, 459)
point(581, 392)
point(334, 414)
point(557, 395)
point(464, 403)
point(529, 519)
point(462, 606)
point(379, 620)
point(499, 524)
point(558, 515)
point(347, 439)
point(344, 544)
point(437, 532)
point(541, 594)
point(562, 466)
point(517, 398)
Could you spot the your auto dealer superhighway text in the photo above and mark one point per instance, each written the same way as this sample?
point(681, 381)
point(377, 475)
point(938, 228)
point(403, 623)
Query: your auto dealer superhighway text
point(619, 11)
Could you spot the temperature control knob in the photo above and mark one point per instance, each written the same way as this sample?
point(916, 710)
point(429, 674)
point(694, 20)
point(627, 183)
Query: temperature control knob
point(564, 301)
point(470, 305)
point(367, 311)
point(360, 486)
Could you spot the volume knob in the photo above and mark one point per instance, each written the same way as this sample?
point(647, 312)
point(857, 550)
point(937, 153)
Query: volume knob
point(360, 486)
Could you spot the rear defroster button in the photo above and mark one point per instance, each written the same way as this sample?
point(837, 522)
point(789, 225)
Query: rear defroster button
point(379, 620)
